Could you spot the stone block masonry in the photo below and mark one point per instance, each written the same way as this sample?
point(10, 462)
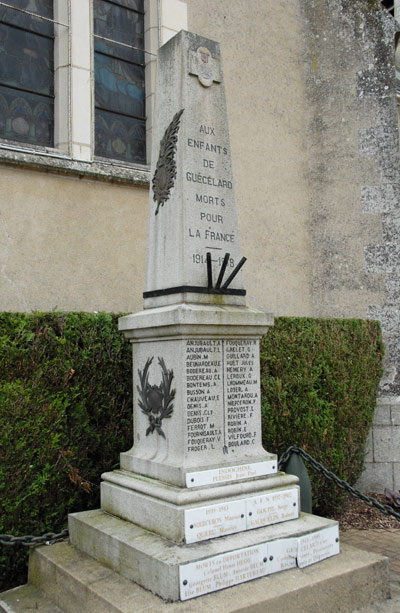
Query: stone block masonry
point(380, 143)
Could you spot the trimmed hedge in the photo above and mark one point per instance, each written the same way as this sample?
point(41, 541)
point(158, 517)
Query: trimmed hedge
point(66, 410)
point(65, 415)
point(319, 381)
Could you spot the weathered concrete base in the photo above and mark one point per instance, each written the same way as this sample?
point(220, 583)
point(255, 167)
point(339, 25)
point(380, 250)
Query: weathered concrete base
point(160, 507)
point(154, 562)
point(71, 581)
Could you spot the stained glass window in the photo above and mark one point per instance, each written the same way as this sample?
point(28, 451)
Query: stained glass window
point(26, 72)
point(120, 130)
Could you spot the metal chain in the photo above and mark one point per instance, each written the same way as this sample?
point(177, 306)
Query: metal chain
point(369, 500)
point(31, 541)
point(50, 537)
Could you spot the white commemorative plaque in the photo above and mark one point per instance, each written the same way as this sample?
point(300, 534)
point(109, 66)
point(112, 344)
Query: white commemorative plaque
point(231, 473)
point(272, 508)
point(282, 555)
point(219, 572)
point(317, 546)
point(211, 521)
point(215, 520)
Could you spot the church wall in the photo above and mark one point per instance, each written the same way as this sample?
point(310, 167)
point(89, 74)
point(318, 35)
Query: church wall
point(70, 244)
point(355, 193)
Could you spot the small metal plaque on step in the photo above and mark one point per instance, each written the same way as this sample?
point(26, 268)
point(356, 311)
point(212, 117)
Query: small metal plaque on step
point(215, 520)
point(211, 521)
point(218, 572)
point(227, 569)
point(317, 546)
point(272, 508)
point(216, 476)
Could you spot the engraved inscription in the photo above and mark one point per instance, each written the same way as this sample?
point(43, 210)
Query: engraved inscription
point(203, 380)
point(242, 391)
point(272, 508)
point(212, 226)
point(282, 554)
point(222, 571)
point(317, 546)
point(211, 521)
point(222, 394)
point(215, 520)
point(230, 473)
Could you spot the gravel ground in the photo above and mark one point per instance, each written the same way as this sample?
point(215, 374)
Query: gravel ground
point(360, 516)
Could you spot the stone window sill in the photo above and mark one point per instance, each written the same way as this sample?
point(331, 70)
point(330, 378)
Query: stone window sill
point(98, 169)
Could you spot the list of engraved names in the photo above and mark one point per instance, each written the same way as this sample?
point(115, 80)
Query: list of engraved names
point(242, 393)
point(203, 377)
point(222, 394)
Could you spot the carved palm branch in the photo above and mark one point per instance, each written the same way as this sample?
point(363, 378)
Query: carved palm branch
point(165, 173)
point(144, 382)
point(169, 395)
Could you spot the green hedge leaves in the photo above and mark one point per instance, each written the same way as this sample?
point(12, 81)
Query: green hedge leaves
point(65, 415)
point(319, 380)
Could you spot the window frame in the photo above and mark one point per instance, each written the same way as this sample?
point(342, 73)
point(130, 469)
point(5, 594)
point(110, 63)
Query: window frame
point(73, 151)
point(117, 58)
point(26, 145)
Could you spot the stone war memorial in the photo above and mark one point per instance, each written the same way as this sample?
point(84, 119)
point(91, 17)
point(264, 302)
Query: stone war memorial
point(198, 505)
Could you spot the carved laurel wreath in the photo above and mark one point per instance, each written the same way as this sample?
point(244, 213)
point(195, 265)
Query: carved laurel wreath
point(156, 401)
point(165, 172)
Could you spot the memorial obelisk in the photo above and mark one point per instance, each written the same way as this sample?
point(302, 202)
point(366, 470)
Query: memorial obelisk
point(197, 505)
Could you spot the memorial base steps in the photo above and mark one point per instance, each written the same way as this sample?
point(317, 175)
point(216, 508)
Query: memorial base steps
point(63, 579)
point(166, 509)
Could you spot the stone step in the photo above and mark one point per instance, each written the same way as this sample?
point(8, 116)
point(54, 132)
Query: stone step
point(157, 564)
point(27, 598)
point(74, 582)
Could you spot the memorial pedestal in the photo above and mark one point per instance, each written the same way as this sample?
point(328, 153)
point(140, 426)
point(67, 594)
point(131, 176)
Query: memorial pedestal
point(196, 387)
point(198, 504)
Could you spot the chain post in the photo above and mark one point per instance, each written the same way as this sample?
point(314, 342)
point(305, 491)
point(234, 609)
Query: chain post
point(369, 500)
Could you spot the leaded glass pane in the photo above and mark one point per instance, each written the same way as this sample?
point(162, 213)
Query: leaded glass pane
point(120, 129)
point(26, 60)
point(120, 137)
point(22, 20)
point(26, 118)
point(119, 86)
point(118, 24)
point(27, 72)
point(119, 51)
point(136, 5)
